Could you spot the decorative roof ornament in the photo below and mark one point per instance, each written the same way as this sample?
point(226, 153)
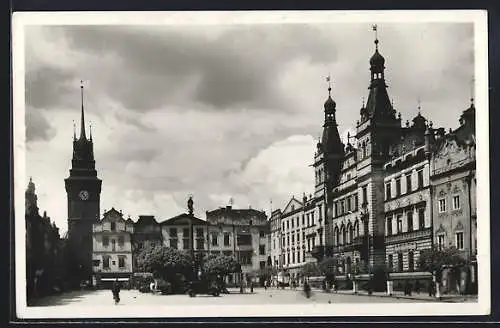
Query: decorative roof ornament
point(82, 128)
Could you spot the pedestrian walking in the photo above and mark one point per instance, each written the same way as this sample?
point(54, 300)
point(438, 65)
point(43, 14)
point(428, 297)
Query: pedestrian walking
point(307, 289)
point(116, 291)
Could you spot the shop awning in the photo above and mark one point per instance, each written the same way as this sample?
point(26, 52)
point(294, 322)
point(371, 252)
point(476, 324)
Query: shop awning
point(113, 279)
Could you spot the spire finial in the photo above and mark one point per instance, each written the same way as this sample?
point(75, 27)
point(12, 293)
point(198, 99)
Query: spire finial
point(419, 103)
point(90, 130)
point(363, 102)
point(74, 130)
point(328, 79)
point(82, 131)
point(374, 27)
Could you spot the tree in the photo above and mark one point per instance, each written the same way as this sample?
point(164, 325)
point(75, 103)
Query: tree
point(328, 267)
point(310, 269)
point(435, 260)
point(220, 265)
point(164, 262)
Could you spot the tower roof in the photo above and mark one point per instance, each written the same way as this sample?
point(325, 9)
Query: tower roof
point(330, 104)
point(377, 60)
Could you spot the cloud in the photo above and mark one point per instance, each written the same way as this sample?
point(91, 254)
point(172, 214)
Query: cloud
point(37, 126)
point(220, 111)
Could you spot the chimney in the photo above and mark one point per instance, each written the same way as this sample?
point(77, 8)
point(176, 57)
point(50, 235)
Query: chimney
point(229, 207)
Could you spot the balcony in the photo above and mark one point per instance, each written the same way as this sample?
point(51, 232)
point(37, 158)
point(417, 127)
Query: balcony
point(409, 236)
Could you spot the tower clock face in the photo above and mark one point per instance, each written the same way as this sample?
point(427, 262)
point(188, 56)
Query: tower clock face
point(84, 195)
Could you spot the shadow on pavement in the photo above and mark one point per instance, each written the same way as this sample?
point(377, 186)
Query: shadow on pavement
point(61, 299)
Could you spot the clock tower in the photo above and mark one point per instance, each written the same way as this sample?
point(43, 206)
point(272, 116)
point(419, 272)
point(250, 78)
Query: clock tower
point(83, 189)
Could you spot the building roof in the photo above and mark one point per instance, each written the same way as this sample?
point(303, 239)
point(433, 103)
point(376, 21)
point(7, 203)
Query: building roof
point(183, 219)
point(146, 220)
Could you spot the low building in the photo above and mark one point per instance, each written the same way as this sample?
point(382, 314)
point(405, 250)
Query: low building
point(243, 234)
point(147, 233)
point(112, 249)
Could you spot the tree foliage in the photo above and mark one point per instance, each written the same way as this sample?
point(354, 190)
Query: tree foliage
point(435, 260)
point(221, 265)
point(310, 270)
point(164, 262)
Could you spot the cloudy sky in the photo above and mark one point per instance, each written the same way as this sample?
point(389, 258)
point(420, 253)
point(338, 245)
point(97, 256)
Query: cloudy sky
point(220, 111)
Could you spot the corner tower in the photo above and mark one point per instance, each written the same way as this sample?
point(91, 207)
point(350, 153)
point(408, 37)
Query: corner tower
point(376, 130)
point(83, 189)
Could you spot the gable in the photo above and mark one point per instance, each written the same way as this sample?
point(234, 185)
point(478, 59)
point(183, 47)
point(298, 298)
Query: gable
point(183, 219)
point(113, 216)
point(292, 205)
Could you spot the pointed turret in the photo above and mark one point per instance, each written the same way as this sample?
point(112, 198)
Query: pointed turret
point(378, 103)
point(82, 128)
point(31, 199)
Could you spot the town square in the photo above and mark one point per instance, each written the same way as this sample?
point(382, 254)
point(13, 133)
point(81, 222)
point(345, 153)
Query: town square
point(197, 172)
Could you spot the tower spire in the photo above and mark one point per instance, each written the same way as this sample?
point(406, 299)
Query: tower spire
point(74, 130)
point(82, 128)
point(90, 131)
point(419, 103)
point(329, 80)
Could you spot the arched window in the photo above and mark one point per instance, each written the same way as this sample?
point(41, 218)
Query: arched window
point(356, 228)
point(336, 236)
point(351, 233)
point(343, 235)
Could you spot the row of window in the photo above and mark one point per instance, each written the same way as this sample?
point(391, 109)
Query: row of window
point(455, 203)
point(106, 260)
point(400, 264)
point(120, 239)
point(306, 218)
point(294, 257)
point(409, 222)
point(345, 235)
point(409, 188)
point(350, 203)
point(459, 240)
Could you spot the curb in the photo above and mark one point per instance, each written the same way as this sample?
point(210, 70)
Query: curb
point(444, 300)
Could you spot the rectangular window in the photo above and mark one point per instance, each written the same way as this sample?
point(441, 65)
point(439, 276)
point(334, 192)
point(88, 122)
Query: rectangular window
point(262, 234)
point(398, 187)
point(411, 261)
point(348, 204)
point(355, 202)
point(287, 225)
point(262, 264)
point(409, 217)
point(96, 263)
point(113, 226)
point(442, 205)
point(262, 250)
point(121, 262)
point(244, 239)
point(283, 242)
point(459, 240)
point(199, 232)
point(173, 232)
point(400, 262)
point(441, 241)
point(298, 237)
point(288, 258)
point(185, 233)
point(390, 261)
point(336, 208)
point(456, 202)
point(308, 220)
point(293, 239)
point(283, 225)
point(246, 258)
point(303, 236)
point(113, 244)
point(293, 257)
point(200, 243)
point(387, 191)
point(420, 178)
point(320, 212)
point(303, 220)
point(365, 195)
point(421, 218)
point(185, 243)
point(389, 226)
point(298, 221)
point(215, 241)
point(342, 207)
point(105, 241)
point(303, 256)
point(400, 223)
point(121, 241)
point(298, 256)
point(226, 239)
point(105, 262)
point(173, 243)
point(292, 222)
point(408, 183)
point(312, 218)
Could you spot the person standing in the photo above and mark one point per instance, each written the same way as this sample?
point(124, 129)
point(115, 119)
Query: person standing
point(116, 291)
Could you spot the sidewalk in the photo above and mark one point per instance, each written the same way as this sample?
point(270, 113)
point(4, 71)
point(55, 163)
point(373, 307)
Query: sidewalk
point(419, 297)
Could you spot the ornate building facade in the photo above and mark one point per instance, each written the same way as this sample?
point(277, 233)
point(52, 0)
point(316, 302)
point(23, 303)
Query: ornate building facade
point(380, 193)
point(83, 189)
point(112, 249)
